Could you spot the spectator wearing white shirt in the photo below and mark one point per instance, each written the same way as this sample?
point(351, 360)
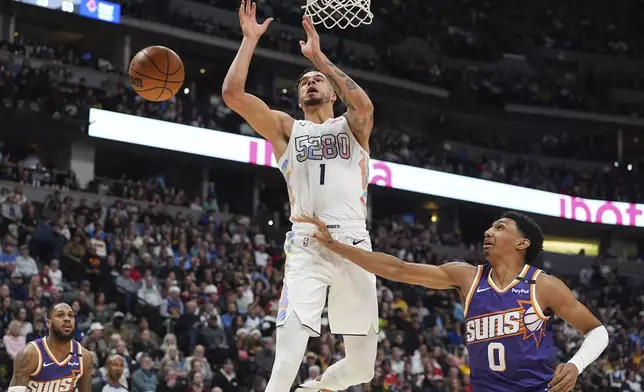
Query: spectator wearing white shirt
point(25, 264)
point(99, 245)
point(209, 311)
point(55, 274)
point(254, 317)
point(25, 326)
point(19, 195)
point(11, 210)
point(261, 257)
point(397, 363)
point(164, 245)
point(149, 292)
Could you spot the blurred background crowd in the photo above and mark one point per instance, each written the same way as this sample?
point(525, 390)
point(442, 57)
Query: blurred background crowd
point(190, 303)
point(178, 270)
point(53, 89)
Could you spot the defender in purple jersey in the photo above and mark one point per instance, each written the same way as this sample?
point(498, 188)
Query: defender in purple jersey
point(507, 304)
point(56, 363)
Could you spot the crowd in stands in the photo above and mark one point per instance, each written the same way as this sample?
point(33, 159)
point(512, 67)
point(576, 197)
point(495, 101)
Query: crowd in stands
point(470, 30)
point(52, 89)
point(31, 167)
point(190, 304)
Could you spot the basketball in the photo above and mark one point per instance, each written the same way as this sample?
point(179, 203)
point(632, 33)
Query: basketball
point(156, 73)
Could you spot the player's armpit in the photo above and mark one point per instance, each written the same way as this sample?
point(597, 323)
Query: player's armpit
point(84, 384)
point(361, 126)
point(25, 363)
point(268, 123)
point(553, 294)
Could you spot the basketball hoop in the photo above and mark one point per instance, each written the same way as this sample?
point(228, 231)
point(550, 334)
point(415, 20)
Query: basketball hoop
point(340, 13)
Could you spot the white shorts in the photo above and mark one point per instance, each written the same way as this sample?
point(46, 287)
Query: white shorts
point(312, 270)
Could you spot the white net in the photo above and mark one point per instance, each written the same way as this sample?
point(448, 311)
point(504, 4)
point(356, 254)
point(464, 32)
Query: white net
point(339, 13)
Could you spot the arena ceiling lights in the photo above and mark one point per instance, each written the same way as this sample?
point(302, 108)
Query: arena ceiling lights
point(193, 140)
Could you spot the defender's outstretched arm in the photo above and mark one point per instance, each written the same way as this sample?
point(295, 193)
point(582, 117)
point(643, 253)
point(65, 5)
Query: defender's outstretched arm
point(447, 276)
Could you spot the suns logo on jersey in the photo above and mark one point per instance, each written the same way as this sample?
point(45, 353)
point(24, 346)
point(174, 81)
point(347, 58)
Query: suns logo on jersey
point(521, 320)
point(67, 384)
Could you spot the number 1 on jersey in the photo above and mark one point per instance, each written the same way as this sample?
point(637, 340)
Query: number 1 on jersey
point(322, 172)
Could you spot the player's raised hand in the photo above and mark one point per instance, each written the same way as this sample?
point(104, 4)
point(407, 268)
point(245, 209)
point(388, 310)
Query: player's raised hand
point(248, 20)
point(322, 235)
point(311, 47)
point(564, 379)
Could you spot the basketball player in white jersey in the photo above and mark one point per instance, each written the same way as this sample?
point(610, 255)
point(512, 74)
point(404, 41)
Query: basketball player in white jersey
point(325, 161)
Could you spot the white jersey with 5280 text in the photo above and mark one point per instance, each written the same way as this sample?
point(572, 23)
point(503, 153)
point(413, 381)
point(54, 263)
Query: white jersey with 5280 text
point(326, 171)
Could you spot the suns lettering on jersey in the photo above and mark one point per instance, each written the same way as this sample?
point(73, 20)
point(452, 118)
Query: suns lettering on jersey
point(521, 320)
point(61, 385)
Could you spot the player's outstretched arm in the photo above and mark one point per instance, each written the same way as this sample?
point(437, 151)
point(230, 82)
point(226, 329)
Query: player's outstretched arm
point(85, 382)
point(359, 106)
point(552, 293)
point(268, 123)
point(447, 276)
point(24, 365)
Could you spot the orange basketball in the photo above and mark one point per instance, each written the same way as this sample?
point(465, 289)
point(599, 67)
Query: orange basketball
point(156, 73)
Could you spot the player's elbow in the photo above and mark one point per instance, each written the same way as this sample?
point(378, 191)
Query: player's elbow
point(231, 94)
point(364, 108)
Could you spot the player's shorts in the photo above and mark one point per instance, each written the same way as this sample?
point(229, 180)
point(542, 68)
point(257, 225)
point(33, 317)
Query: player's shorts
point(311, 270)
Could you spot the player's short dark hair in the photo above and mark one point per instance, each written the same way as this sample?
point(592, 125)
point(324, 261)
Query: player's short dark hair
point(530, 230)
point(51, 309)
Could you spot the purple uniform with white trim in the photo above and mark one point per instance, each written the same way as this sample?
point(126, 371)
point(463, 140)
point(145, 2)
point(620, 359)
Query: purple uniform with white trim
point(52, 375)
point(508, 336)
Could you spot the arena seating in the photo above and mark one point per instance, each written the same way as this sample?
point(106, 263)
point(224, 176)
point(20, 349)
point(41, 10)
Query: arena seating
point(124, 279)
point(53, 89)
point(482, 34)
point(150, 269)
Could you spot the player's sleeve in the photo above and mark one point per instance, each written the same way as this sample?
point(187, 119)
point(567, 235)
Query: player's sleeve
point(25, 364)
point(85, 382)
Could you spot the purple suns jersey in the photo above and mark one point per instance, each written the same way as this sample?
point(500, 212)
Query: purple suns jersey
point(508, 337)
point(52, 375)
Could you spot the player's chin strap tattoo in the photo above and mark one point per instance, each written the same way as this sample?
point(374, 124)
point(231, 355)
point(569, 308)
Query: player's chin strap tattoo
point(595, 342)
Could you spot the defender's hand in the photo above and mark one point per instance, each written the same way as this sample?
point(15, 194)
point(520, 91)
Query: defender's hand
point(311, 47)
point(564, 379)
point(248, 21)
point(323, 235)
